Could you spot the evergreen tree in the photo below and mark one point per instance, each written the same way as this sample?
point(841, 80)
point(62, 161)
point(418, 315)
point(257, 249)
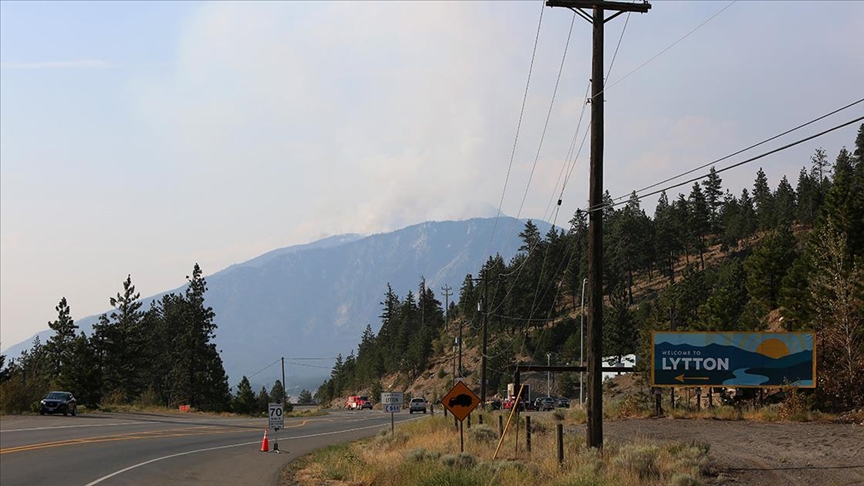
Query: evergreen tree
point(262, 402)
point(577, 258)
point(784, 203)
point(768, 264)
point(764, 201)
point(122, 343)
point(59, 347)
point(809, 199)
point(277, 393)
point(714, 201)
point(665, 237)
point(820, 168)
point(728, 295)
point(305, 397)
point(197, 376)
point(699, 221)
point(838, 300)
point(82, 376)
point(6, 372)
point(245, 401)
point(844, 202)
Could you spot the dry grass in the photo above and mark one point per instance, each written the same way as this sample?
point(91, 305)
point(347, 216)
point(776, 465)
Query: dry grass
point(426, 452)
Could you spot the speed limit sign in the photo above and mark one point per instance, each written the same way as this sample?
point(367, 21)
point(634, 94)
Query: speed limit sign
point(277, 421)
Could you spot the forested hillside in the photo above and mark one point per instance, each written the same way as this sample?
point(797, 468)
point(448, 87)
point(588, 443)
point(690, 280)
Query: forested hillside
point(791, 259)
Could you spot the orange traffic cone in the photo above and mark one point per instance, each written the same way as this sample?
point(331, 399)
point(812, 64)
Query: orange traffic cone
point(265, 444)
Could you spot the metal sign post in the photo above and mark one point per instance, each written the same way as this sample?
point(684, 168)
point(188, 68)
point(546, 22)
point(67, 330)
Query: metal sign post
point(460, 400)
point(392, 403)
point(277, 421)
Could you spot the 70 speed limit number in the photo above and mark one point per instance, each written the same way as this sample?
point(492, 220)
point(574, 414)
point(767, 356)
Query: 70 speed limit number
point(277, 420)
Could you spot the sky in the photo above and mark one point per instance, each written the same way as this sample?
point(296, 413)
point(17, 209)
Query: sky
point(140, 138)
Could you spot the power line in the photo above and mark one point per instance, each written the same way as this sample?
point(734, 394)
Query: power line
point(666, 49)
point(752, 159)
point(744, 149)
point(518, 129)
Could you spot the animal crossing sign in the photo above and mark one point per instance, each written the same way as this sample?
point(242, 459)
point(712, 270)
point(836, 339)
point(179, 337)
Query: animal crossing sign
point(739, 359)
point(460, 401)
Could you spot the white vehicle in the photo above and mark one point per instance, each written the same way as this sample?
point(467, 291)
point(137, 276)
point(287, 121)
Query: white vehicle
point(417, 405)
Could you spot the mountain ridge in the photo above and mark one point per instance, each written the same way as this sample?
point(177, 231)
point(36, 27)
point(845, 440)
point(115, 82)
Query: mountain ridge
point(314, 300)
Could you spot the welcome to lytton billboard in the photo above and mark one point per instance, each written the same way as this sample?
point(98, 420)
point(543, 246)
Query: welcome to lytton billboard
point(735, 359)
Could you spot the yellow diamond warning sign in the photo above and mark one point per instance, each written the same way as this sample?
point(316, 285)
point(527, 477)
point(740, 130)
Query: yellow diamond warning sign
point(460, 401)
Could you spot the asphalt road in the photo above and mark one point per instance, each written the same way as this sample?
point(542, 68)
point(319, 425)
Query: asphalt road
point(166, 449)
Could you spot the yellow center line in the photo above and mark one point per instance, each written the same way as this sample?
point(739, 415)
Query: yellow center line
point(154, 434)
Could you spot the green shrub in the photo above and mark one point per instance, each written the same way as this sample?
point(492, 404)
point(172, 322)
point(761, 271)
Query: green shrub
point(639, 459)
point(483, 433)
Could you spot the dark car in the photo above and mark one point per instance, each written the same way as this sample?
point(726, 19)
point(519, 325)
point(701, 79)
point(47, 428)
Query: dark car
point(544, 404)
point(563, 403)
point(58, 402)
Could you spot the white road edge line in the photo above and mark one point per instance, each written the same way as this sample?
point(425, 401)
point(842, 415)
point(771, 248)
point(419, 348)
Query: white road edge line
point(116, 473)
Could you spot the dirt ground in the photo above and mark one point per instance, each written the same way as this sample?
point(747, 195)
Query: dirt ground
point(760, 453)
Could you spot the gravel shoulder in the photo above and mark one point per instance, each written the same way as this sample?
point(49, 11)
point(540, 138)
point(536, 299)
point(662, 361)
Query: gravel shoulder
point(758, 453)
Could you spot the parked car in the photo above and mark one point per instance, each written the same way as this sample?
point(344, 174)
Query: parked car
point(563, 403)
point(508, 403)
point(417, 405)
point(58, 402)
point(544, 404)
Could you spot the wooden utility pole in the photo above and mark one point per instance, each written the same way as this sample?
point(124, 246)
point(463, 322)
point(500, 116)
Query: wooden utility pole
point(595, 220)
point(485, 337)
point(446, 291)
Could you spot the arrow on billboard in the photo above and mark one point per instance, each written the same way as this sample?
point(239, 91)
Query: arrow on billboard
point(681, 377)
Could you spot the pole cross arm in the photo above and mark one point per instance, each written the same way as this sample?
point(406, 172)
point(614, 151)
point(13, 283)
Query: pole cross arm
point(590, 4)
point(522, 368)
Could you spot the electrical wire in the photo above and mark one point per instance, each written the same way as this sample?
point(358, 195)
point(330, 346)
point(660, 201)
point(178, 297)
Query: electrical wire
point(738, 164)
point(518, 128)
point(744, 149)
point(666, 49)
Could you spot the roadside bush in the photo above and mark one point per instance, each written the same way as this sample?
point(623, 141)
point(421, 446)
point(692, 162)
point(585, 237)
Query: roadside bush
point(639, 459)
point(483, 433)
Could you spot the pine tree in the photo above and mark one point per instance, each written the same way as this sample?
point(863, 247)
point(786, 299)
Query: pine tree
point(245, 401)
point(839, 307)
point(262, 401)
point(122, 343)
point(768, 264)
point(844, 202)
point(305, 397)
point(277, 393)
point(699, 221)
point(764, 201)
point(714, 200)
point(809, 199)
point(784, 203)
point(665, 237)
point(59, 345)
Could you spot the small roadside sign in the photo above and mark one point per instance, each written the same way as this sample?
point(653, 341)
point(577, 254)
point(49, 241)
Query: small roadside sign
point(277, 420)
point(392, 398)
point(393, 408)
point(460, 401)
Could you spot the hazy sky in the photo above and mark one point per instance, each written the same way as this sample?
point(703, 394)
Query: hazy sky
point(142, 137)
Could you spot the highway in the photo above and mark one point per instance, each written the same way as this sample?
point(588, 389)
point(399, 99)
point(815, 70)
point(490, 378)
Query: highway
point(167, 448)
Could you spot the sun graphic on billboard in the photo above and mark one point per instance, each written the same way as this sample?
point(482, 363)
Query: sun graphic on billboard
point(773, 348)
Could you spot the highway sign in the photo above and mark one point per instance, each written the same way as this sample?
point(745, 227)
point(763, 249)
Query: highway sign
point(460, 401)
point(393, 408)
point(277, 420)
point(737, 359)
point(392, 398)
